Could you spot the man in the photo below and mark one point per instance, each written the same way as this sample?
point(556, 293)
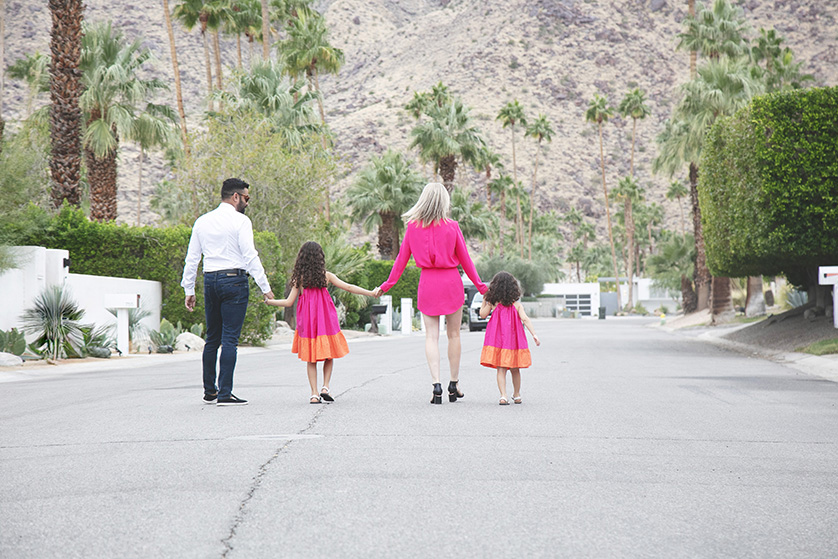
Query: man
point(224, 237)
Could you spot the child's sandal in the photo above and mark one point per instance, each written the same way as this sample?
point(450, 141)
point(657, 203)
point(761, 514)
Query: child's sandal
point(503, 402)
point(516, 399)
point(315, 399)
point(324, 393)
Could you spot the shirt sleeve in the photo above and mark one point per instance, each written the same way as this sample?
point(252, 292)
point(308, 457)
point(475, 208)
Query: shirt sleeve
point(252, 263)
point(465, 261)
point(190, 266)
point(398, 265)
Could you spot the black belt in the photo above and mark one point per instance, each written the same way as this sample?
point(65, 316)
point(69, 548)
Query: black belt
point(229, 272)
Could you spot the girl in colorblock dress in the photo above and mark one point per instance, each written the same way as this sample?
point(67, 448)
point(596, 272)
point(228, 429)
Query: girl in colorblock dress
point(505, 345)
point(318, 336)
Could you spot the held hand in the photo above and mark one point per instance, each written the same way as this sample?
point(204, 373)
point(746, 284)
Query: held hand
point(190, 302)
point(536, 340)
point(268, 295)
point(377, 292)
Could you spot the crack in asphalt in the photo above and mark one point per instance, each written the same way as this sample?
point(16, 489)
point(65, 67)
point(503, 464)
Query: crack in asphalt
point(238, 520)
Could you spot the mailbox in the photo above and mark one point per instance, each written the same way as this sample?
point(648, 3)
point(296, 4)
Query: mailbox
point(828, 275)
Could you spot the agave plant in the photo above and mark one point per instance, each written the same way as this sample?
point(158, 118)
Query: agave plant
point(54, 318)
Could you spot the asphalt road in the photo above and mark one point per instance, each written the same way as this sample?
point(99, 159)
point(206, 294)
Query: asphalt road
point(631, 442)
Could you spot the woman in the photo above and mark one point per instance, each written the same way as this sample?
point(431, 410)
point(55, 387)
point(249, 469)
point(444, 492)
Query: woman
point(437, 244)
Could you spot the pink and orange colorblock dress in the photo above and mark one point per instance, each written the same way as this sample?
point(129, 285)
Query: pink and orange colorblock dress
point(438, 249)
point(505, 344)
point(318, 336)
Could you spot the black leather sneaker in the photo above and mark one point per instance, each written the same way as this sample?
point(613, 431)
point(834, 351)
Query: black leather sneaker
point(231, 401)
point(210, 398)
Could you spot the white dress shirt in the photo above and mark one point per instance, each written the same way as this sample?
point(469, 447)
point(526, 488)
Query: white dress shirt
point(225, 238)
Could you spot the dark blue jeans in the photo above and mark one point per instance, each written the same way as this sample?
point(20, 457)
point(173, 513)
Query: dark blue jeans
point(225, 304)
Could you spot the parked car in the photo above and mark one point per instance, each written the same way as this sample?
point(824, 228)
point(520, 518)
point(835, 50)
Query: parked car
point(474, 320)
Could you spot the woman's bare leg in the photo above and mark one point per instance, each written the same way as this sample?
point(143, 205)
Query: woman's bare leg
point(452, 326)
point(432, 345)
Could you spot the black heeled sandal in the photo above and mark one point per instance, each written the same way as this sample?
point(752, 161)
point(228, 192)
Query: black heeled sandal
point(454, 391)
point(437, 397)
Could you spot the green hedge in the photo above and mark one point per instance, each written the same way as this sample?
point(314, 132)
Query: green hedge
point(768, 186)
point(149, 253)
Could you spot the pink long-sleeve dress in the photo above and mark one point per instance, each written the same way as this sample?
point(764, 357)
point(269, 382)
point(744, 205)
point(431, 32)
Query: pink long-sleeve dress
point(437, 249)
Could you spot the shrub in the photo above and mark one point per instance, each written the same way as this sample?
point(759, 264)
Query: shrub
point(767, 187)
point(107, 249)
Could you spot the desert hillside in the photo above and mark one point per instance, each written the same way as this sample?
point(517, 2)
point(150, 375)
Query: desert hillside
point(551, 55)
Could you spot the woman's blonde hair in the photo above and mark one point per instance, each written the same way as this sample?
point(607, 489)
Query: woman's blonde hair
point(434, 205)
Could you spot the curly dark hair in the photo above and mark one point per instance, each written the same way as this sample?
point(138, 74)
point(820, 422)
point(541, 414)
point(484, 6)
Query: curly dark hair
point(310, 267)
point(503, 289)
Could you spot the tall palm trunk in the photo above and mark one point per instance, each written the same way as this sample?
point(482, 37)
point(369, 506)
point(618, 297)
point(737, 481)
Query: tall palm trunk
point(387, 236)
point(689, 300)
point(693, 54)
point(608, 219)
point(102, 174)
point(754, 300)
point(216, 45)
point(266, 53)
point(701, 274)
point(502, 219)
point(207, 62)
point(184, 135)
point(517, 196)
point(532, 195)
point(239, 51)
point(630, 259)
point(65, 89)
point(681, 211)
point(722, 303)
point(2, 67)
point(447, 171)
point(140, 185)
point(314, 79)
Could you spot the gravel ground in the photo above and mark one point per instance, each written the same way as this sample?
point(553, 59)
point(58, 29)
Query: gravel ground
point(788, 331)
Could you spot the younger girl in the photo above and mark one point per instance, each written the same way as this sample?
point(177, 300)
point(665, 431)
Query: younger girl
point(318, 336)
point(505, 345)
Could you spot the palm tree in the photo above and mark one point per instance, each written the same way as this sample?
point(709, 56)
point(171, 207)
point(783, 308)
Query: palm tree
point(189, 13)
point(113, 89)
point(447, 137)
point(501, 186)
point(218, 15)
point(266, 21)
point(510, 115)
point(540, 130)
point(184, 135)
point(630, 192)
point(307, 50)
point(672, 266)
point(475, 220)
point(600, 111)
point(716, 31)
point(676, 191)
point(2, 67)
point(65, 90)
point(34, 70)
point(265, 90)
point(634, 105)
point(383, 191)
point(152, 129)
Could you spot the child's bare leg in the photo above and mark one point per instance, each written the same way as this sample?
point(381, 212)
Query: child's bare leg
point(502, 382)
point(311, 369)
point(432, 345)
point(516, 382)
point(327, 371)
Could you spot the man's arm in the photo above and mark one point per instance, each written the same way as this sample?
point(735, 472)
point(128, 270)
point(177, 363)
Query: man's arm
point(190, 269)
point(252, 263)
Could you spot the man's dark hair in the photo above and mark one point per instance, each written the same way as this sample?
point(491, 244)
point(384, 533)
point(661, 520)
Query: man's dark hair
point(231, 186)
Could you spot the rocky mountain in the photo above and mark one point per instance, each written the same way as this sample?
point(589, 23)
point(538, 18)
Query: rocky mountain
point(551, 55)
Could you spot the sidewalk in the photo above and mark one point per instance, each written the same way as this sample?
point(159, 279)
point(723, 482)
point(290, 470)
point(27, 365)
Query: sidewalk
point(40, 369)
point(823, 366)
